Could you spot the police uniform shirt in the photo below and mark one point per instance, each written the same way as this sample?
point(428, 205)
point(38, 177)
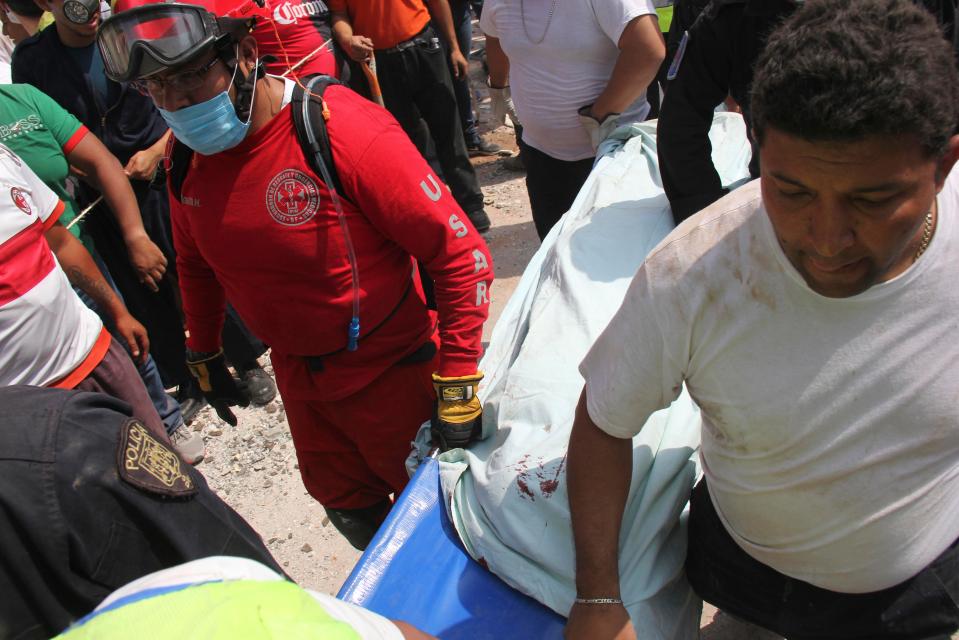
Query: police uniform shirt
point(90, 501)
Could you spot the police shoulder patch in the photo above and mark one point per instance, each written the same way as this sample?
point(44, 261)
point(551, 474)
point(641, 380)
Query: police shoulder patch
point(150, 465)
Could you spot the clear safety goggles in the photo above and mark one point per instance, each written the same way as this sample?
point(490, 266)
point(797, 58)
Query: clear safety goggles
point(142, 41)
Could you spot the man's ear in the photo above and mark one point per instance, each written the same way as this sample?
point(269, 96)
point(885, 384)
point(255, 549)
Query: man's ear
point(946, 162)
point(247, 52)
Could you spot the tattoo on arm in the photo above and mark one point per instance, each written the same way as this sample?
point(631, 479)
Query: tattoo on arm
point(96, 288)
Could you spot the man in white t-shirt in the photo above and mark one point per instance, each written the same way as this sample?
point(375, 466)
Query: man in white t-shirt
point(48, 337)
point(575, 71)
point(812, 315)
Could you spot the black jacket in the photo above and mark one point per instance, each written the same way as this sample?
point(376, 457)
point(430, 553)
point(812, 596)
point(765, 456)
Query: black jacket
point(126, 124)
point(85, 508)
point(720, 53)
point(725, 40)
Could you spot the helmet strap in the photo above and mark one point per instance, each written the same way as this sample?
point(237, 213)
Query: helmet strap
point(245, 83)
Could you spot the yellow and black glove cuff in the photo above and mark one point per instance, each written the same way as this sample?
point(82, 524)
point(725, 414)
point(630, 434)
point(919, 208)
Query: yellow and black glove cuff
point(459, 413)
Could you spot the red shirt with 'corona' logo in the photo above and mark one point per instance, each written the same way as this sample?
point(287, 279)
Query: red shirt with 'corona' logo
point(257, 226)
point(296, 30)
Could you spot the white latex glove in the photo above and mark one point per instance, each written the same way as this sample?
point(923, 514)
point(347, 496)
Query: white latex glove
point(501, 103)
point(596, 130)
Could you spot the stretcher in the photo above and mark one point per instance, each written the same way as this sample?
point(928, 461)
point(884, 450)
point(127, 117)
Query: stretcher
point(416, 570)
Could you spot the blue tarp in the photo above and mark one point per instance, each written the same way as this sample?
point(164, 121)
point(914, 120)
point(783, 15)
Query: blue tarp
point(417, 571)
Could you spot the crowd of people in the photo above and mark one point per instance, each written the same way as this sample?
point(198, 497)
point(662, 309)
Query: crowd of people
point(189, 184)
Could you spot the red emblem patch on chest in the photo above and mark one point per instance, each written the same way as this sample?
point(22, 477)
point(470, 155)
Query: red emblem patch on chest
point(19, 199)
point(292, 197)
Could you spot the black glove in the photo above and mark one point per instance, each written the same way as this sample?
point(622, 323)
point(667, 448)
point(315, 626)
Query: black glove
point(458, 418)
point(219, 388)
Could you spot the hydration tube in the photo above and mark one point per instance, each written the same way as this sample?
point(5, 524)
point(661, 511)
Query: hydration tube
point(353, 332)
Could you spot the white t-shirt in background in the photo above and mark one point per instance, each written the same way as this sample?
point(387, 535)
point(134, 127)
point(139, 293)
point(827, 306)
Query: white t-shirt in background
point(550, 81)
point(830, 435)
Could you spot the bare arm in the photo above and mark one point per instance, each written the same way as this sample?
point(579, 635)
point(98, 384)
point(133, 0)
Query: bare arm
point(641, 51)
point(498, 63)
point(143, 164)
point(82, 272)
point(443, 19)
point(104, 170)
point(410, 632)
point(598, 483)
point(357, 47)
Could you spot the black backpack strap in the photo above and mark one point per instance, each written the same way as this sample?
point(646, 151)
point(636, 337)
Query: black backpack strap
point(177, 165)
point(317, 144)
point(180, 155)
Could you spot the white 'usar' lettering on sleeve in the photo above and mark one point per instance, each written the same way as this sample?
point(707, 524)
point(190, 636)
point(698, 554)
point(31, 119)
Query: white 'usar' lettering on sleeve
point(479, 261)
point(458, 226)
point(481, 294)
point(434, 193)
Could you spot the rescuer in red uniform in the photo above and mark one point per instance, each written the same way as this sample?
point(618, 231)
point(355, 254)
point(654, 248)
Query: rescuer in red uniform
point(359, 358)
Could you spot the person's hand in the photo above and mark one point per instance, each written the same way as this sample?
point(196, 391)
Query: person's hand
point(143, 164)
point(135, 336)
point(598, 129)
point(458, 417)
point(147, 260)
point(501, 104)
point(219, 387)
point(461, 67)
point(731, 105)
point(599, 622)
point(360, 48)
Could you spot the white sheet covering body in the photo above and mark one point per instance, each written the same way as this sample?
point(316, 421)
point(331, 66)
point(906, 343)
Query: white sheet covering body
point(507, 495)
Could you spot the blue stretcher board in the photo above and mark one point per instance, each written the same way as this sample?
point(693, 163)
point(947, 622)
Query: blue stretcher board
point(416, 570)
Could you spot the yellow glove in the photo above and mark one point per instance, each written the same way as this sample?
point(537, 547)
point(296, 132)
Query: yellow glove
point(458, 417)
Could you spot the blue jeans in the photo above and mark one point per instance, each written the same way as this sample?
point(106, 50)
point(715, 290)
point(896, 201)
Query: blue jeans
point(166, 406)
point(461, 86)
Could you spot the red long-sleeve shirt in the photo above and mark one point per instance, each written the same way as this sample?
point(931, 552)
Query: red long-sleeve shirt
point(255, 224)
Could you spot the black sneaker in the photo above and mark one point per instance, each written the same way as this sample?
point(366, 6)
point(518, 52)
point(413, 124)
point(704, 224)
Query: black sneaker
point(479, 219)
point(259, 385)
point(480, 147)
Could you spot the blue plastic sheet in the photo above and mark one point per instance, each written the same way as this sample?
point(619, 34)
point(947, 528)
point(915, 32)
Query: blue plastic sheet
point(417, 571)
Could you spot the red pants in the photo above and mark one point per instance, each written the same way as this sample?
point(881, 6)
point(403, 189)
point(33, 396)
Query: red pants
point(352, 451)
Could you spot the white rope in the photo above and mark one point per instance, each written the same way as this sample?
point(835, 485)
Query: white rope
point(84, 213)
point(305, 58)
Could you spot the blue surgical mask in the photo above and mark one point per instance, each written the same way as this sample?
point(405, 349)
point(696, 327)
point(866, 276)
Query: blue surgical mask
point(209, 127)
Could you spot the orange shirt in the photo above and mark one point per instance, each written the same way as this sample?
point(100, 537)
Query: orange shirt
point(386, 22)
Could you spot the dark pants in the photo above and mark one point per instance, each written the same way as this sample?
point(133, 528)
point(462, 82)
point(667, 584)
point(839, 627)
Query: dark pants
point(416, 84)
point(726, 576)
point(165, 405)
point(552, 185)
point(159, 312)
point(463, 26)
point(116, 376)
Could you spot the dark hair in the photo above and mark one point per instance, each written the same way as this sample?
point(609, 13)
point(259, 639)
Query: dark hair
point(24, 8)
point(841, 70)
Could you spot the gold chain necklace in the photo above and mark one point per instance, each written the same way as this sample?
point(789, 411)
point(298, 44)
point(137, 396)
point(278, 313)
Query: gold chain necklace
point(926, 236)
